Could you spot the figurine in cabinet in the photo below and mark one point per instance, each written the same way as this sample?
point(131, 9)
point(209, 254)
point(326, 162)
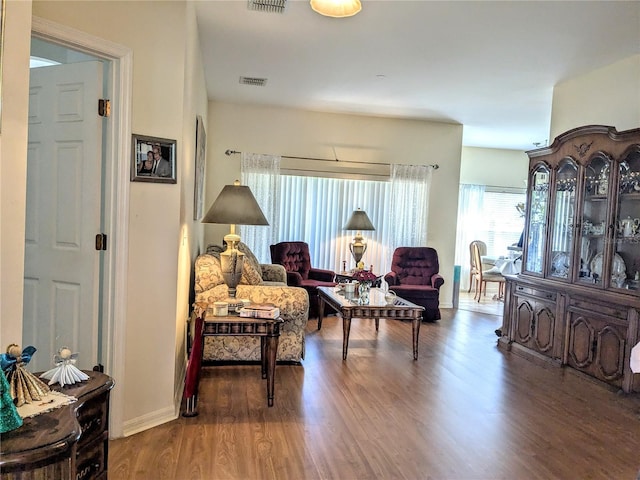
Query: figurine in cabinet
point(628, 227)
point(603, 182)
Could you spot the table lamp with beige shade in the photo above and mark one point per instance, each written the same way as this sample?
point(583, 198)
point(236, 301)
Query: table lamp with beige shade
point(235, 205)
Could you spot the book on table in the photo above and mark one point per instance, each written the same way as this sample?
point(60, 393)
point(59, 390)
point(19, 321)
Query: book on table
point(263, 310)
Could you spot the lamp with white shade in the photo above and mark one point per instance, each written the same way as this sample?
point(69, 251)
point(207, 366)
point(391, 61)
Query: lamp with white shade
point(235, 205)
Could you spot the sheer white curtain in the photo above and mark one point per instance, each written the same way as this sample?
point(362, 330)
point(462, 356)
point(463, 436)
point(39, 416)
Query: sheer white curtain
point(409, 207)
point(470, 200)
point(262, 174)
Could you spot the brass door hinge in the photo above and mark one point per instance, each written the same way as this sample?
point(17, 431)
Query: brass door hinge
point(104, 107)
point(101, 241)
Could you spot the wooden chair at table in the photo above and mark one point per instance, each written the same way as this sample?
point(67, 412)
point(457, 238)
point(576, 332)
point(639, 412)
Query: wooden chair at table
point(473, 267)
point(486, 261)
point(482, 277)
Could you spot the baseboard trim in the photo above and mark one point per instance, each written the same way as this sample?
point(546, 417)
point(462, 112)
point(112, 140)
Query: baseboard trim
point(150, 420)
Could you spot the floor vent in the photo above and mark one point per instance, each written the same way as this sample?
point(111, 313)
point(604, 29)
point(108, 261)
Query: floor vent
point(270, 6)
point(256, 82)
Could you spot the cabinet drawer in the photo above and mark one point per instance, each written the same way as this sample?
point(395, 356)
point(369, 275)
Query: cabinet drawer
point(91, 461)
point(616, 311)
point(92, 417)
point(54, 471)
point(536, 292)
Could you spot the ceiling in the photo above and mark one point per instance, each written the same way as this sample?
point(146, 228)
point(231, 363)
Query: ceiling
point(490, 66)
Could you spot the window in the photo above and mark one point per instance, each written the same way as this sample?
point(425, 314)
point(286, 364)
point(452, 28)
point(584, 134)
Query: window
point(488, 214)
point(502, 221)
point(314, 210)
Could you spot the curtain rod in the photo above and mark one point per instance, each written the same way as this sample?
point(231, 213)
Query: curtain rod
point(233, 152)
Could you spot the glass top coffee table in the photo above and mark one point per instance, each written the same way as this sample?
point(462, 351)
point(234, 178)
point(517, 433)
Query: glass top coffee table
point(349, 306)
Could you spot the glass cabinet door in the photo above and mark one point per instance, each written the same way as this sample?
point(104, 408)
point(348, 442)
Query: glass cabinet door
point(562, 224)
point(594, 230)
point(537, 228)
point(626, 256)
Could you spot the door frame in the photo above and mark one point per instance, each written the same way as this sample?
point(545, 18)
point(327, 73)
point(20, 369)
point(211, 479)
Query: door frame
point(117, 148)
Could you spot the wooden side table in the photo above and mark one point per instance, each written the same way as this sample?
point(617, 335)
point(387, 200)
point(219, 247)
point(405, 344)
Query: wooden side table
point(232, 325)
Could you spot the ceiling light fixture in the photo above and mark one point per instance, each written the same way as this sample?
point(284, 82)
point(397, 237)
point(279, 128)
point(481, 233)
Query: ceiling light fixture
point(336, 8)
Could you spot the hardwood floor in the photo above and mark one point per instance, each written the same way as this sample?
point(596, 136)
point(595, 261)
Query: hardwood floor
point(463, 411)
point(488, 303)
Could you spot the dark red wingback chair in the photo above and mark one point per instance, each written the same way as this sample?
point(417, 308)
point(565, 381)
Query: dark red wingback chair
point(295, 258)
point(414, 276)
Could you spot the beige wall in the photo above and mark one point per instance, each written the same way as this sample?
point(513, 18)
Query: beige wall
point(191, 231)
point(13, 167)
point(168, 91)
point(608, 96)
point(494, 167)
point(293, 132)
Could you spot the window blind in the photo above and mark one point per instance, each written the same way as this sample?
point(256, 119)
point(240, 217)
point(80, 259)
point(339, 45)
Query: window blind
point(502, 223)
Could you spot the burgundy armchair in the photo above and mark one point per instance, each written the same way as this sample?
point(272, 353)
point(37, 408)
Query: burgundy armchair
point(414, 276)
point(295, 258)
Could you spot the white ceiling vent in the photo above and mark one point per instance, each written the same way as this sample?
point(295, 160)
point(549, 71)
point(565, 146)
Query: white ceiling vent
point(256, 82)
point(270, 6)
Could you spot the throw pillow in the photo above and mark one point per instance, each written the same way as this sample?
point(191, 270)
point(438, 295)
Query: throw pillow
point(250, 276)
point(250, 257)
point(251, 270)
point(212, 248)
point(208, 272)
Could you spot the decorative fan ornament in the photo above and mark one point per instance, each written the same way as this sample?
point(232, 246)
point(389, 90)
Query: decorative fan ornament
point(24, 386)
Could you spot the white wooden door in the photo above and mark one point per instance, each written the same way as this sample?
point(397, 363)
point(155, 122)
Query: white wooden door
point(62, 266)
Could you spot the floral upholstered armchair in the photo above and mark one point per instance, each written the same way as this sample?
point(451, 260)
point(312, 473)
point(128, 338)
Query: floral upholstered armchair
point(260, 283)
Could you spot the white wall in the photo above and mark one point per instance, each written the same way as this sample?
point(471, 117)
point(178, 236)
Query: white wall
point(293, 132)
point(13, 167)
point(168, 91)
point(494, 167)
point(608, 96)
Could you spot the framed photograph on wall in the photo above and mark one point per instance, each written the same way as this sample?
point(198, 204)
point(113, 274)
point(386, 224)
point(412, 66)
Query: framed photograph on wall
point(153, 159)
point(201, 157)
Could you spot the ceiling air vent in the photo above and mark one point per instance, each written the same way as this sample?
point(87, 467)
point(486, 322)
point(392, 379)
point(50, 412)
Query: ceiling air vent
point(256, 82)
point(271, 6)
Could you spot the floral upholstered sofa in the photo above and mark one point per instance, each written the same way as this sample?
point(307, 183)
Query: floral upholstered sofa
point(261, 283)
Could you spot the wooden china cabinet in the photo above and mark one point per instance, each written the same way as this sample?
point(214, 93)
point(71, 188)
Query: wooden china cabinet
point(576, 302)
